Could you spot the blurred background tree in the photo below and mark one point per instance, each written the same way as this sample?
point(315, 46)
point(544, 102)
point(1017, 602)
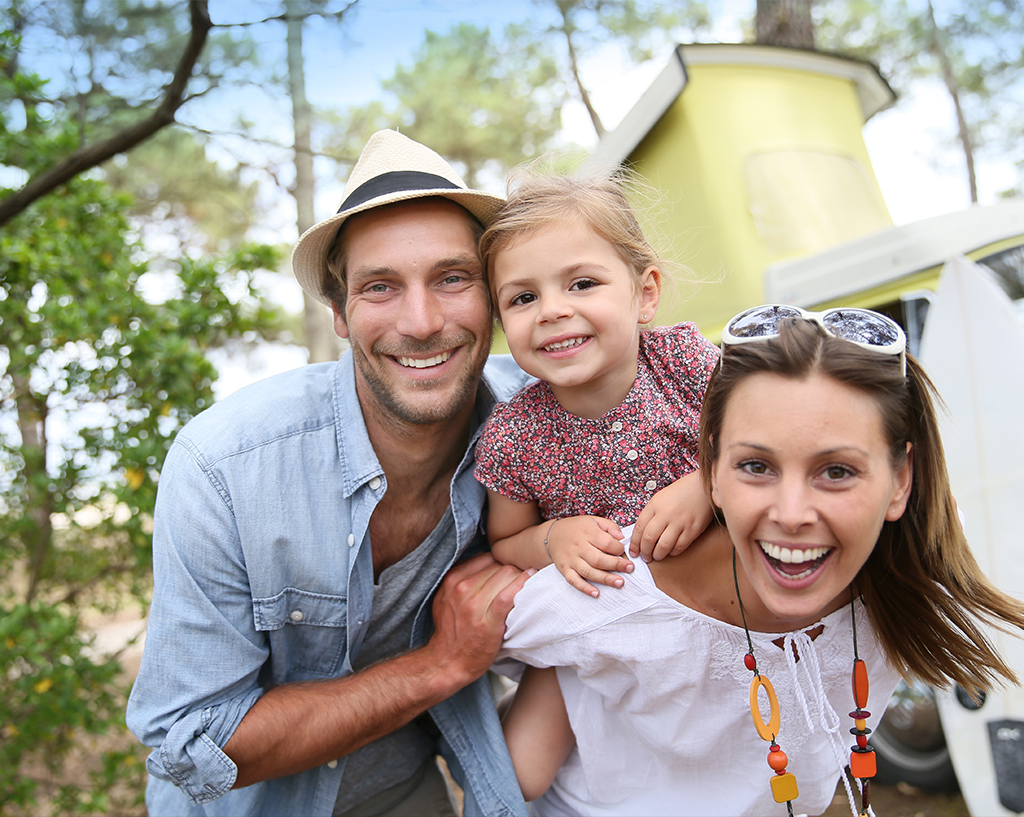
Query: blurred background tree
point(95, 379)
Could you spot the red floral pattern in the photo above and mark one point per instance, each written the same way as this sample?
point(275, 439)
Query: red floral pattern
point(532, 449)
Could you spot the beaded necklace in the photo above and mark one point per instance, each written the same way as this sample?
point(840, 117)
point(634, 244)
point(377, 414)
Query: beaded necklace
point(862, 757)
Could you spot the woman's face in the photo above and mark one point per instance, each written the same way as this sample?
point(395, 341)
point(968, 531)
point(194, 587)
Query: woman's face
point(805, 481)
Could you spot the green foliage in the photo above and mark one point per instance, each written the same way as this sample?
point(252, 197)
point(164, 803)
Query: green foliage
point(473, 98)
point(54, 692)
point(95, 380)
point(983, 41)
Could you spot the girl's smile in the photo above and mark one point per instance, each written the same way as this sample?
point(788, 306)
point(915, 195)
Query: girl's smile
point(571, 309)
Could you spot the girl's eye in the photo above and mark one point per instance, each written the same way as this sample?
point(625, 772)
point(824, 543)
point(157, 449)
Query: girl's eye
point(585, 283)
point(522, 299)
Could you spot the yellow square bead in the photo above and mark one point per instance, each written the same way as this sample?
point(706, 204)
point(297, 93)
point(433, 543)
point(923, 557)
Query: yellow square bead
point(784, 787)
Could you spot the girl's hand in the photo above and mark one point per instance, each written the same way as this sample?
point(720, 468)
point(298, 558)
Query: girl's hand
point(674, 517)
point(587, 549)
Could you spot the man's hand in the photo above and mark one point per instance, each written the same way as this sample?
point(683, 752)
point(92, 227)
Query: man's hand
point(469, 614)
point(674, 517)
point(588, 548)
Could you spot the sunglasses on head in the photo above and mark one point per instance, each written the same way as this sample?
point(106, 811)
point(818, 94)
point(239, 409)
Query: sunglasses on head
point(867, 329)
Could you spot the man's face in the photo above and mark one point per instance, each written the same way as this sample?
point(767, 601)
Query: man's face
point(417, 313)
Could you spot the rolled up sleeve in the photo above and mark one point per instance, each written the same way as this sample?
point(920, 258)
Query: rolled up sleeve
point(203, 655)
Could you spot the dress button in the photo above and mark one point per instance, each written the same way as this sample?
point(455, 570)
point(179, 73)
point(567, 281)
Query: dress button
point(375, 483)
point(332, 764)
point(631, 454)
point(651, 485)
point(351, 539)
point(295, 615)
point(616, 426)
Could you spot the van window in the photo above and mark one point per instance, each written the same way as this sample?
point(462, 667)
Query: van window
point(1008, 268)
point(804, 201)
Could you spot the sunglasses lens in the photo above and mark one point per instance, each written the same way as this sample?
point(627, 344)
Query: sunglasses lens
point(860, 326)
point(761, 322)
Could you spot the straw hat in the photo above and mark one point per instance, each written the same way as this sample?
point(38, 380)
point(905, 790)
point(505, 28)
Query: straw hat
point(391, 168)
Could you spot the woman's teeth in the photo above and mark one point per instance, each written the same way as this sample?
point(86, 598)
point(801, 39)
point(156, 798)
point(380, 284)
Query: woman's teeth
point(418, 363)
point(563, 344)
point(792, 556)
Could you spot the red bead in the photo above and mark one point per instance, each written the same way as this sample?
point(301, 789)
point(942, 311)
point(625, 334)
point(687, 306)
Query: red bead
point(777, 760)
point(860, 714)
point(862, 764)
point(862, 741)
point(774, 747)
point(860, 683)
point(749, 662)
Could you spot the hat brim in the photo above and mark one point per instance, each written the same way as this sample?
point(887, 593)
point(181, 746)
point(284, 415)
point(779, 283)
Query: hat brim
point(309, 257)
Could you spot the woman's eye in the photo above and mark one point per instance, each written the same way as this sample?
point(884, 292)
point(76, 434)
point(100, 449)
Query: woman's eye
point(837, 472)
point(583, 284)
point(754, 467)
point(523, 298)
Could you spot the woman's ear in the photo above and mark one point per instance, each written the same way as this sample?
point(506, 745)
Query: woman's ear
point(650, 293)
point(714, 484)
point(904, 480)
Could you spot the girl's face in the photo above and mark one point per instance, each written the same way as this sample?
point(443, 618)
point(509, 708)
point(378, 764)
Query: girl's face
point(805, 481)
point(572, 313)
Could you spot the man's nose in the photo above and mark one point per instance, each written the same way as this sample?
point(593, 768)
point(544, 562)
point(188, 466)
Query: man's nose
point(421, 314)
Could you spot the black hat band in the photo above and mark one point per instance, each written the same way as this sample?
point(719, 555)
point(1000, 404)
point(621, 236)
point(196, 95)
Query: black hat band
point(395, 181)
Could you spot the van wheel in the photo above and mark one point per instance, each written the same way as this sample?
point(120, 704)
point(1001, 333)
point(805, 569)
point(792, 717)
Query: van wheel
point(909, 744)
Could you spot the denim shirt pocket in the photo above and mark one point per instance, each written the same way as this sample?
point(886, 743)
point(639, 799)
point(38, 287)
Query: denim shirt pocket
point(307, 633)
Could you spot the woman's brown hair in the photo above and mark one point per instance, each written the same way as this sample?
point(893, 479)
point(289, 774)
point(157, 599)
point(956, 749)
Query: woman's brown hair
point(925, 594)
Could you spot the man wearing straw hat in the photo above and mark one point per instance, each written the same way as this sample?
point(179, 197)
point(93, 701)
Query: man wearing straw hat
point(317, 633)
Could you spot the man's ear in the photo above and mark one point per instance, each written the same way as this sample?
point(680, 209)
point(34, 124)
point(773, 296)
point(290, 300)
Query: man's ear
point(904, 482)
point(340, 325)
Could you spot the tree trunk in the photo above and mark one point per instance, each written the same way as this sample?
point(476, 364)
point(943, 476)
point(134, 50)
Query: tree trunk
point(784, 22)
point(39, 500)
point(567, 29)
point(949, 78)
point(320, 337)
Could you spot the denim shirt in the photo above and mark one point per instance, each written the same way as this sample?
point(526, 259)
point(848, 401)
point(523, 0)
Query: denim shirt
point(264, 575)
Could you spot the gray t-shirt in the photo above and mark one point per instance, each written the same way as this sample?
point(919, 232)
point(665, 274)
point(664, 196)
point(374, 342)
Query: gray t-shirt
point(396, 597)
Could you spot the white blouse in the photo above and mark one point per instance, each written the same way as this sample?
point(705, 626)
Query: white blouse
point(658, 698)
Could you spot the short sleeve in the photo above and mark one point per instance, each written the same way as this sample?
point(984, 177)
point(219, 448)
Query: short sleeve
point(498, 465)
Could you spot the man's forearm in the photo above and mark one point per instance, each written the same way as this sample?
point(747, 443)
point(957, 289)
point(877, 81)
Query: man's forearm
point(299, 726)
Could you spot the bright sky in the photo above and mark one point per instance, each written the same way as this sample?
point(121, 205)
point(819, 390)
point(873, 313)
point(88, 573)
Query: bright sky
point(911, 145)
point(920, 170)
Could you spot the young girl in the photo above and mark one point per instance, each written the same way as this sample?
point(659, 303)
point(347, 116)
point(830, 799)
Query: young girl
point(844, 558)
point(608, 437)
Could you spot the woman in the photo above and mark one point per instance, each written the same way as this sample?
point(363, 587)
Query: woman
point(844, 558)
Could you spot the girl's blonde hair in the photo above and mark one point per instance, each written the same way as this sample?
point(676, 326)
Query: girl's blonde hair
point(924, 592)
point(537, 198)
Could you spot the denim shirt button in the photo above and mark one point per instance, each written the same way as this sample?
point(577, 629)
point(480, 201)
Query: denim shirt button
point(295, 615)
point(351, 539)
point(332, 764)
point(375, 483)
